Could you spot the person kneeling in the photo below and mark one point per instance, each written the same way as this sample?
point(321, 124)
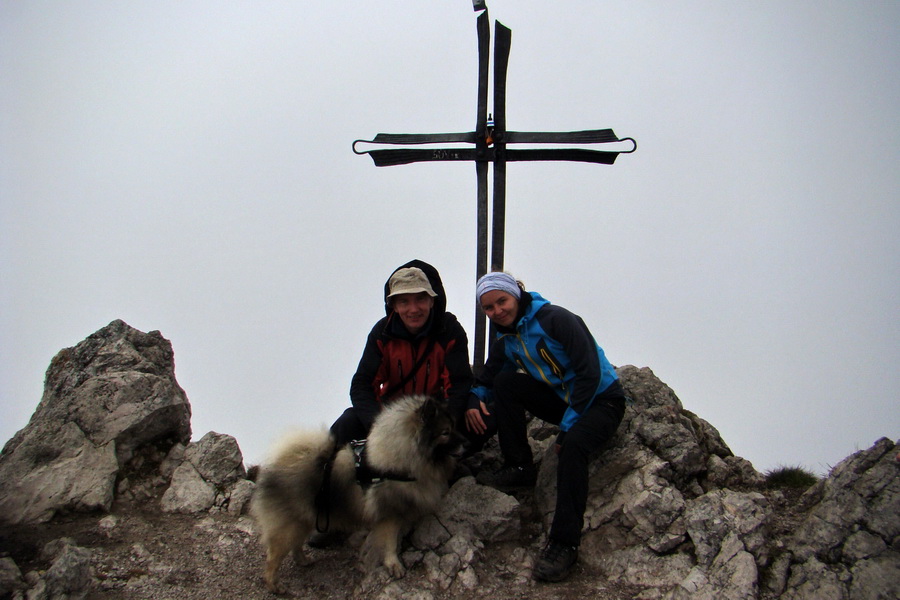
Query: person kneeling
point(544, 360)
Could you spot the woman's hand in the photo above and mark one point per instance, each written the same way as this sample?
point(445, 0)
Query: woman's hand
point(474, 422)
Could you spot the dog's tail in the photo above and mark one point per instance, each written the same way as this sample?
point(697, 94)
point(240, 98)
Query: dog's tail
point(296, 468)
point(300, 448)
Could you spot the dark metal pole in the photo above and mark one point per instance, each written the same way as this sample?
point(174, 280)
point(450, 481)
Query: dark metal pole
point(502, 41)
point(481, 170)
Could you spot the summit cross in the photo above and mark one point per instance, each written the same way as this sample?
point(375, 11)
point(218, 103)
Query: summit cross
point(489, 145)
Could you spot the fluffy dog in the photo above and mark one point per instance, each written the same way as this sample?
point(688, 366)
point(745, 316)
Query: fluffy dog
point(409, 457)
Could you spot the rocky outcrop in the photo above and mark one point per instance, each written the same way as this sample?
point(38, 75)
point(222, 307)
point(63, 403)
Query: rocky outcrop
point(114, 423)
point(211, 474)
point(662, 512)
point(69, 576)
point(848, 546)
point(672, 513)
point(108, 396)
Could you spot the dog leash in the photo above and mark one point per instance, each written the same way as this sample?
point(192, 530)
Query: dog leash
point(323, 506)
point(366, 477)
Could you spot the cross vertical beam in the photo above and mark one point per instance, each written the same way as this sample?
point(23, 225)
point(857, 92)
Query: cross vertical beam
point(490, 133)
point(498, 135)
point(483, 27)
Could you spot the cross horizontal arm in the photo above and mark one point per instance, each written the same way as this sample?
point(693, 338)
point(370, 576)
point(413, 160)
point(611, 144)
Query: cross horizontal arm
point(589, 136)
point(404, 156)
point(601, 157)
point(421, 138)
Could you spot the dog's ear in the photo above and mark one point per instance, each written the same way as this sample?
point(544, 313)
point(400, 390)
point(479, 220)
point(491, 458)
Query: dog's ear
point(429, 410)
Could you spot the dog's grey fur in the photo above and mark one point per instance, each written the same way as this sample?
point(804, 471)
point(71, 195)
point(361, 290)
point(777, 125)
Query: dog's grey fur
point(413, 436)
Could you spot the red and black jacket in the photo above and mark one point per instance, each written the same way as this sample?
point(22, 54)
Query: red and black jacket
point(441, 352)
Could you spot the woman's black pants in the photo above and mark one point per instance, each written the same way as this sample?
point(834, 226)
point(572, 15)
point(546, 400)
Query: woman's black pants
point(516, 393)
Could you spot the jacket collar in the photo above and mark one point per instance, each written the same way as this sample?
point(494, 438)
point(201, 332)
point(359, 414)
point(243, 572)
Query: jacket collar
point(529, 304)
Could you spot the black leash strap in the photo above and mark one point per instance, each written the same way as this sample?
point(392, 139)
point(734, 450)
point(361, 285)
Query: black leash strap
point(323, 505)
point(412, 373)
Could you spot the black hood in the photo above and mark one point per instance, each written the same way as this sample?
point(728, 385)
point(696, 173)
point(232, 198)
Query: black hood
point(434, 278)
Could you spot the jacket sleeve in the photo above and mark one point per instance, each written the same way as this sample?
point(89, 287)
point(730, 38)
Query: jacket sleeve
point(457, 364)
point(570, 330)
point(362, 385)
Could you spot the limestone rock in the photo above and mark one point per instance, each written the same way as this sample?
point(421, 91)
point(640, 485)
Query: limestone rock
point(851, 532)
point(189, 492)
point(479, 511)
point(212, 469)
point(660, 513)
point(240, 495)
point(103, 398)
point(655, 489)
point(56, 470)
point(10, 578)
point(69, 576)
point(713, 517)
point(217, 458)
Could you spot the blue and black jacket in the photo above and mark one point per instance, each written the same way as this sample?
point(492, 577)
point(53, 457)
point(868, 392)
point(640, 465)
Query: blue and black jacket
point(552, 345)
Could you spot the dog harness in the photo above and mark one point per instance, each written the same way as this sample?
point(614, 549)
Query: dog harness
point(366, 476)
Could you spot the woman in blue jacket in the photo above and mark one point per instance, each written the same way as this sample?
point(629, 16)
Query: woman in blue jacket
point(544, 360)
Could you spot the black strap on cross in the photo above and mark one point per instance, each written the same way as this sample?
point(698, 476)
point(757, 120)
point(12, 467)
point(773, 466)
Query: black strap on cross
point(489, 144)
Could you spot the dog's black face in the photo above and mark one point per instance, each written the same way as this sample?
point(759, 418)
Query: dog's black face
point(439, 432)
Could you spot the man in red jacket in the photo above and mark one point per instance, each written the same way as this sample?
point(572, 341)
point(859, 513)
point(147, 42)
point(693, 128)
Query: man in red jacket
point(417, 348)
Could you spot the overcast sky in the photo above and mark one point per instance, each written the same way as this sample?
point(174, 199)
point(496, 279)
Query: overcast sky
point(187, 167)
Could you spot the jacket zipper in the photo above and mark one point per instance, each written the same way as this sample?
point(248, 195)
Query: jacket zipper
point(531, 360)
point(540, 371)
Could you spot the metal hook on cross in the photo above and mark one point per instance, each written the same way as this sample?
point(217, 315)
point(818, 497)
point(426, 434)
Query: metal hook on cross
point(489, 145)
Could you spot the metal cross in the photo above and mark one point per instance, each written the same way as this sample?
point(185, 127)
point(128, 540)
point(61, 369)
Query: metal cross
point(489, 141)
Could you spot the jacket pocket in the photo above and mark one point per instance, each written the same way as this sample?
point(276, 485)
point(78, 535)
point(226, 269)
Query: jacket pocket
point(549, 359)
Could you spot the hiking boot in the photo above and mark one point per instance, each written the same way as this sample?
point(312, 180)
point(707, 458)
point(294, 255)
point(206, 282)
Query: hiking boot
point(510, 477)
point(555, 562)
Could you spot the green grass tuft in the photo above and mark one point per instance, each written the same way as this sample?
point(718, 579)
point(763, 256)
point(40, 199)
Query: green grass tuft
point(790, 477)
